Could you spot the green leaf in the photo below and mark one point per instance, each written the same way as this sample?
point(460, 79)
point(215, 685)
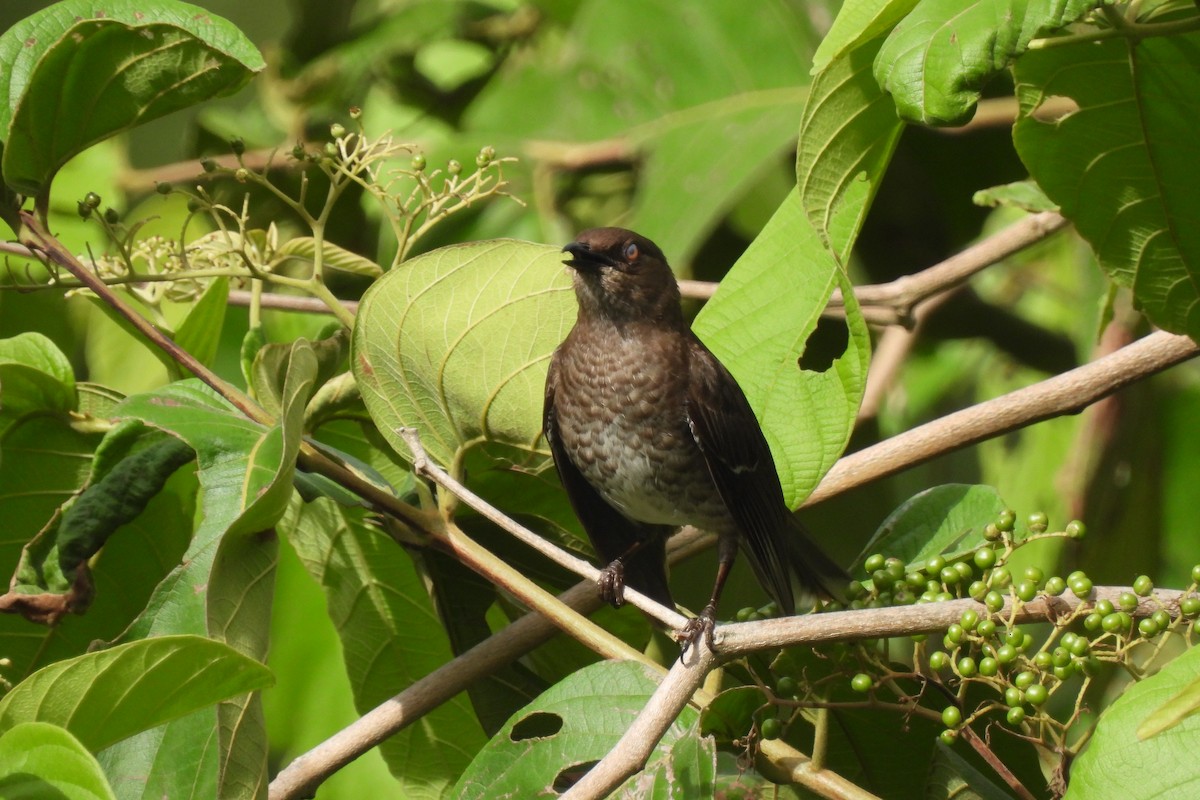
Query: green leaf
point(105, 696)
point(390, 637)
point(73, 75)
point(1172, 712)
point(1123, 166)
point(847, 136)
point(35, 376)
point(200, 331)
point(577, 721)
point(759, 332)
point(937, 59)
point(332, 256)
point(945, 520)
point(1119, 763)
point(42, 760)
point(242, 583)
point(478, 323)
point(858, 21)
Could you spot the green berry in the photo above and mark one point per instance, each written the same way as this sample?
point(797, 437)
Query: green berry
point(915, 579)
point(955, 633)
point(1076, 529)
point(1026, 590)
point(162, 187)
point(1104, 607)
point(1024, 680)
point(1038, 522)
point(1111, 622)
point(1081, 587)
point(967, 667)
point(1043, 660)
point(1014, 636)
point(977, 590)
point(895, 568)
point(985, 558)
point(1162, 619)
point(1196, 573)
point(948, 737)
point(1190, 606)
point(1148, 628)
point(938, 660)
point(770, 728)
point(1035, 575)
point(418, 163)
point(994, 601)
point(949, 576)
point(1001, 577)
point(1006, 520)
point(786, 686)
point(1006, 653)
point(969, 619)
point(965, 572)
point(861, 683)
point(1143, 586)
point(1061, 657)
point(1015, 716)
point(743, 614)
point(1127, 601)
point(988, 666)
point(942, 597)
point(1036, 694)
point(1055, 586)
point(903, 597)
point(881, 579)
point(1079, 647)
point(337, 130)
point(951, 716)
point(986, 628)
point(935, 565)
point(453, 167)
point(991, 532)
point(874, 562)
point(1013, 697)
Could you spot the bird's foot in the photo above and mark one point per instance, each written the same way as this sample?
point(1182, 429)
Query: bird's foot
point(612, 584)
point(702, 625)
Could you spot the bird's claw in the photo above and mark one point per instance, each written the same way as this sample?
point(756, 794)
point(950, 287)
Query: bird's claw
point(612, 584)
point(702, 625)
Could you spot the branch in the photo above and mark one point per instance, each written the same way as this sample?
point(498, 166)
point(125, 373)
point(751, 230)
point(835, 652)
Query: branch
point(741, 638)
point(1067, 393)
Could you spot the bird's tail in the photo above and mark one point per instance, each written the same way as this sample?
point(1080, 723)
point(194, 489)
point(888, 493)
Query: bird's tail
point(815, 575)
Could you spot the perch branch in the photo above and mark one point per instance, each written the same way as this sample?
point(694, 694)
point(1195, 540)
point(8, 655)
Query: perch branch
point(1067, 393)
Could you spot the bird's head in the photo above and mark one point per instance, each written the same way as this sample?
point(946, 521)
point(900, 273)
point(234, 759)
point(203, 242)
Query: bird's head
point(622, 276)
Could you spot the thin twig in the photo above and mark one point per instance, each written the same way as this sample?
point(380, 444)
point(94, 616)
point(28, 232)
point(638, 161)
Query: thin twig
point(993, 761)
point(1067, 393)
point(423, 466)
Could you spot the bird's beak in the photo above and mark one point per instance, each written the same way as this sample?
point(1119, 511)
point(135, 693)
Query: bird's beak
point(583, 257)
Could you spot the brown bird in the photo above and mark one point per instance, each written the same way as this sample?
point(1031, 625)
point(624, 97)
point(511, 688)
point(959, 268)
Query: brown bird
point(650, 432)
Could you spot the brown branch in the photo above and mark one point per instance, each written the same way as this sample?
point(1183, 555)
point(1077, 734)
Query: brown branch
point(1067, 393)
point(997, 765)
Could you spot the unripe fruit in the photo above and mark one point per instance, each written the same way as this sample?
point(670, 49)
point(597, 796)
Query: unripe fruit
point(1038, 522)
point(985, 558)
point(1006, 520)
point(1015, 716)
point(770, 728)
point(1036, 694)
point(1076, 529)
point(874, 562)
point(861, 683)
point(951, 716)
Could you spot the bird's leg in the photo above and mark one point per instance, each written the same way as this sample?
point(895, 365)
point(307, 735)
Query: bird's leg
point(612, 578)
point(704, 623)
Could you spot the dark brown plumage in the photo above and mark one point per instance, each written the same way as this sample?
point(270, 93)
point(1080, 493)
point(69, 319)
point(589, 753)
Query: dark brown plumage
point(650, 432)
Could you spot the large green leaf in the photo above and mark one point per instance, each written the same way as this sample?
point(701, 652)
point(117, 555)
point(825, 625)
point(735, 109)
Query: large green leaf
point(578, 721)
point(1123, 167)
point(945, 520)
point(937, 59)
point(1117, 763)
point(390, 635)
point(456, 343)
point(74, 74)
point(847, 136)
point(42, 760)
point(108, 695)
point(759, 323)
point(858, 21)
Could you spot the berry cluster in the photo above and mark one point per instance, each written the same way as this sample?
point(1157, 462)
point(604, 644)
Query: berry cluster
point(988, 665)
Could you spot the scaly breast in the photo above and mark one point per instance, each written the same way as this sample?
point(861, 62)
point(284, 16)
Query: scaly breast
point(621, 418)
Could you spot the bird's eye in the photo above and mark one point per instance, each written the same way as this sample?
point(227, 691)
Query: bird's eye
point(631, 252)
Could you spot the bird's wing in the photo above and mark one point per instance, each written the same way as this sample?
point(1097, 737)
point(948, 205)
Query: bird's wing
point(739, 460)
point(611, 533)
